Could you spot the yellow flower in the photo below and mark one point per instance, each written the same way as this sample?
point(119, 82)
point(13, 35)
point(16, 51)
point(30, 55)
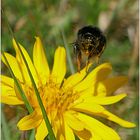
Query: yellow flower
point(71, 103)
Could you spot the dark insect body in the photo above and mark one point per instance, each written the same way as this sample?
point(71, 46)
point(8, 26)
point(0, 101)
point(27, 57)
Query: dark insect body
point(91, 42)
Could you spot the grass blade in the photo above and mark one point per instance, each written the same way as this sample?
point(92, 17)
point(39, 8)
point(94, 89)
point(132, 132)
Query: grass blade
point(5, 128)
point(32, 135)
point(68, 52)
point(22, 94)
point(49, 127)
point(52, 136)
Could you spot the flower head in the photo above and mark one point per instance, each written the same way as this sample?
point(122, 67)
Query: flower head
point(70, 103)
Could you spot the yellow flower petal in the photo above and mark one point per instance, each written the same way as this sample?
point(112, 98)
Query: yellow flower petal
point(95, 109)
point(96, 136)
point(87, 107)
point(98, 74)
point(59, 66)
point(22, 64)
point(94, 90)
point(40, 61)
point(97, 89)
point(8, 95)
point(59, 128)
point(100, 90)
point(30, 121)
point(41, 131)
point(108, 115)
point(84, 134)
point(7, 81)
point(105, 100)
point(10, 99)
point(75, 78)
point(98, 128)
point(112, 84)
point(13, 65)
point(72, 121)
point(69, 133)
point(87, 93)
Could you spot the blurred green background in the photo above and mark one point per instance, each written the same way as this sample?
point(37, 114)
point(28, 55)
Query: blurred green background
point(118, 19)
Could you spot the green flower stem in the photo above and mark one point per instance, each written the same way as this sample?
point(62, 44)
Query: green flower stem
point(22, 94)
point(52, 136)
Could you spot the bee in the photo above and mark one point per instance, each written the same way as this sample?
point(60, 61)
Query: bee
point(91, 42)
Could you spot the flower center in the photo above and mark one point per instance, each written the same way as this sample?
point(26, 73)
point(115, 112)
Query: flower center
point(56, 99)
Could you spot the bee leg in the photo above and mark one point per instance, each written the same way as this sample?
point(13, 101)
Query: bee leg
point(99, 55)
point(87, 63)
point(97, 60)
point(78, 56)
point(88, 60)
point(78, 59)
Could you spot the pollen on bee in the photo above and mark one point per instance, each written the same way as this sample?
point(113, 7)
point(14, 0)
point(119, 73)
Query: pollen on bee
point(87, 52)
